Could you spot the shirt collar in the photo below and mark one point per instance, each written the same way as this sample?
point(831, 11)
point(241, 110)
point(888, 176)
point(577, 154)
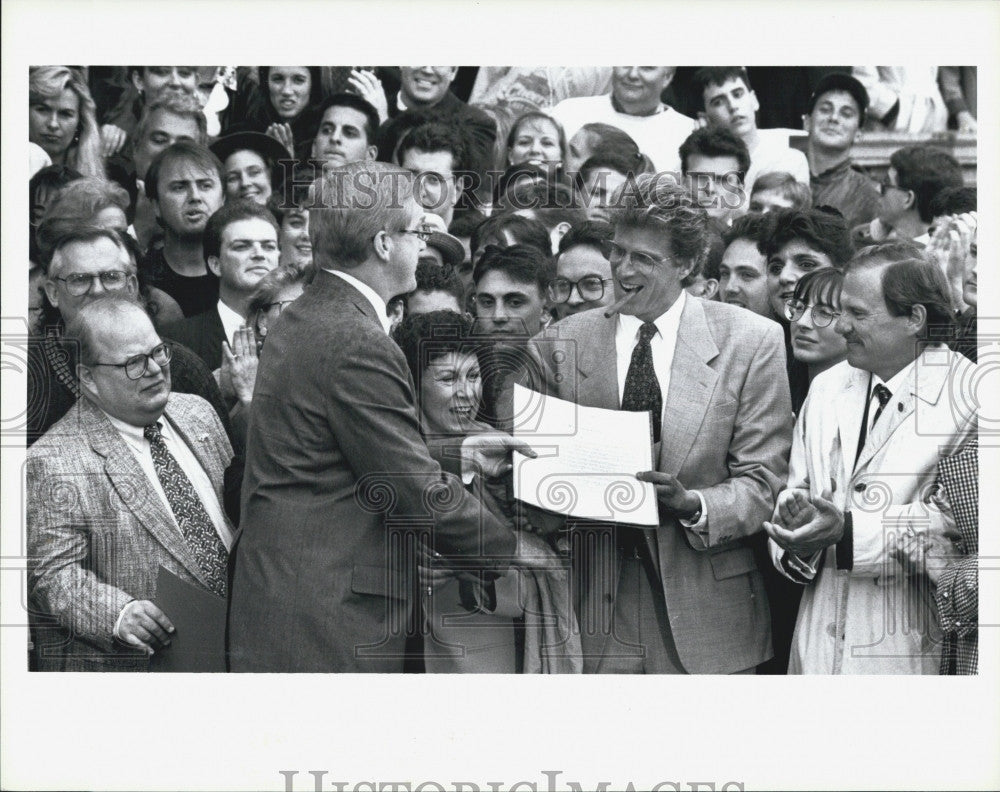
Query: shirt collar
point(231, 321)
point(837, 170)
point(129, 431)
point(369, 293)
point(667, 323)
point(895, 381)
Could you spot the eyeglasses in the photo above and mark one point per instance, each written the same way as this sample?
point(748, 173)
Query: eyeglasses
point(590, 288)
point(423, 233)
point(137, 365)
point(821, 315)
point(78, 284)
point(616, 254)
point(280, 303)
point(886, 184)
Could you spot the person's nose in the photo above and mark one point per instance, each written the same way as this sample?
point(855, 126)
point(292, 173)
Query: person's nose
point(731, 288)
point(843, 325)
point(97, 287)
point(575, 297)
point(806, 320)
point(633, 72)
point(787, 276)
point(175, 78)
point(500, 314)
point(52, 122)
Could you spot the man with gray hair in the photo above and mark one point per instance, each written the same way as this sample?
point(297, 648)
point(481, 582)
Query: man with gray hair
point(687, 596)
point(339, 483)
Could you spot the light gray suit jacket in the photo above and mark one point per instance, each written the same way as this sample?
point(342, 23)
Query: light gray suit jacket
point(726, 432)
point(98, 532)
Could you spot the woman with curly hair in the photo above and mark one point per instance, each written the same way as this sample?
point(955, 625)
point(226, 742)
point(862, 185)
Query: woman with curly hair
point(62, 119)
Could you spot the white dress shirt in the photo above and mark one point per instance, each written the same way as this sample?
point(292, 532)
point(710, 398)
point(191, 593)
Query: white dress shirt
point(231, 321)
point(369, 293)
point(662, 345)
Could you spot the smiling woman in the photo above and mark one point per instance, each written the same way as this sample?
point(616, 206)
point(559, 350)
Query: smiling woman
point(62, 119)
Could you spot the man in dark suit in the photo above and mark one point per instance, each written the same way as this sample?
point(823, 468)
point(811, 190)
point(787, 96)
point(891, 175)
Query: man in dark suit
point(241, 247)
point(111, 499)
point(687, 596)
point(338, 479)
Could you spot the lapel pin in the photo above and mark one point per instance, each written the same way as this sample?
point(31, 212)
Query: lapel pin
point(900, 407)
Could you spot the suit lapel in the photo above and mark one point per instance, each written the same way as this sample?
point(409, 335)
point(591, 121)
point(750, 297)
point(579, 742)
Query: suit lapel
point(597, 365)
point(133, 487)
point(849, 409)
point(692, 383)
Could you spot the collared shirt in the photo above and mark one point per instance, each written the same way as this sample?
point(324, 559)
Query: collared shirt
point(369, 293)
point(231, 321)
point(139, 446)
point(855, 195)
point(894, 384)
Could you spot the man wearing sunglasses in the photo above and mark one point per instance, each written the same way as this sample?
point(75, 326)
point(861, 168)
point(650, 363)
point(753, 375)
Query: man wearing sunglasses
point(128, 481)
point(686, 596)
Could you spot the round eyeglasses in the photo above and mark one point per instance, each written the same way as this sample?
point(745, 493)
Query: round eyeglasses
point(137, 365)
point(590, 288)
point(821, 315)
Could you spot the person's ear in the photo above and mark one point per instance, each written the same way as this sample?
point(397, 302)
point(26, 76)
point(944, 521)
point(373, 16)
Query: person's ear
point(711, 289)
point(137, 80)
point(214, 266)
point(558, 233)
point(52, 292)
point(454, 73)
point(807, 123)
point(702, 117)
point(371, 153)
point(383, 245)
point(86, 378)
point(756, 101)
point(911, 199)
point(917, 320)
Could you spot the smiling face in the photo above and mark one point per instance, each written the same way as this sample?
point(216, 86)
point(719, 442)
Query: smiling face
point(289, 88)
point(818, 347)
point(157, 81)
point(451, 391)
point(732, 106)
point(435, 185)
point(341, 138)
point(536, 141)
point(187, 197)
point(507, 309)
point(644, 268)
point(834, 121)
point(425, 86)
point(743, 277)
point(247, 176)
point(786, 266)
point(53, 121)
point(247, 252)
point(637, 89)
point(87, 258)
point(294, 242)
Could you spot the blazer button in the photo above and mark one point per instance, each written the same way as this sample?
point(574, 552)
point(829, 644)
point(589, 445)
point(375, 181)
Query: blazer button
point(860, 487)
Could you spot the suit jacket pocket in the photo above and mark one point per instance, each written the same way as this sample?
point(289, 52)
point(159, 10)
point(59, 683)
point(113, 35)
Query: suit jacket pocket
point(730, 563)
point(379, 582)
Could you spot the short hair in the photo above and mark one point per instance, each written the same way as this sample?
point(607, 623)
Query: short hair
point(49, 178)
point(354, 102)
point(270, 286)
point(82, 328)
point(605, 137)
point(463, 224)
point(538, 115)
point(431, 277)
point(353, 204)
point(820, 286)
point(552, 203)
point(432, 137)
point(661, 203)
point(226, 215)
point(752, 226)
point(718, 75)
point(182, 105)
point(715, 142)
point(523, 230)
point(78, 203)
point(84, 232)
point(927, 170)
point(821, 230)
point(521, 263)
point(618, 161)
point(910, 281)
point(786, 185)
point(428, 336)
point(953, 201)
point(194, 153)
point(593, 233)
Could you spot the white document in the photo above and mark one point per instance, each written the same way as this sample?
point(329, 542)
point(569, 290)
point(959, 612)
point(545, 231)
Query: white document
point(587, 460)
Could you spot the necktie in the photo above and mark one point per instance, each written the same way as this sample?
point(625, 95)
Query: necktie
point(883, 394)
point(193, 520)
point(642, 388)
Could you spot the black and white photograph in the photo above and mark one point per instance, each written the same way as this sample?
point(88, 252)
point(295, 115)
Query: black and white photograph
point(351, 404)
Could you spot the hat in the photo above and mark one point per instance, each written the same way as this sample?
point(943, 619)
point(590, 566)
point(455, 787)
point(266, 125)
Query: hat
point(840, 81)
point(451, 249)
point(265, 145)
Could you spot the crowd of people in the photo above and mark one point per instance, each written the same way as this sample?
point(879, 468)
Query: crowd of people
point(278, 313)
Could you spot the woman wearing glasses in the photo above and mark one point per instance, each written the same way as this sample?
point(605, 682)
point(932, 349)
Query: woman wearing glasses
point(813, 312)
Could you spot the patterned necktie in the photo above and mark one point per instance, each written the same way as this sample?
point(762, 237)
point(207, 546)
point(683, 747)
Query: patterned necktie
point(193, 520)
point(883, 394)
point(642, 388)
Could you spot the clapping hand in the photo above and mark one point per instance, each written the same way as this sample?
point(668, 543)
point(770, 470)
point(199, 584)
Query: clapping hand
point(804, 525)
point(239, 365)
point(283, 134)
point(368, 87)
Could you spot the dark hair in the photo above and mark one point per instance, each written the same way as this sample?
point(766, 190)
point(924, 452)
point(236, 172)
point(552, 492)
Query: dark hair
point(821, 230)
point(428, 336)
point(354, 102)
point(464, 223)
point(953, 201)
point(790, 188)
point(617, 161)
point(523, 230)
point(551, 203)
point(820, 286)
point(226, 215)
point(522, 263)
point(610, 139)
point(593, 233)
point(181, 150)
point(433, 137)
point(718, 75)
point(927, 170)
point(752, 226)
point(715, 142)
point(51, 177)
point(537, 115)
point(315, 87)
point(431, 277)
point(710, 263)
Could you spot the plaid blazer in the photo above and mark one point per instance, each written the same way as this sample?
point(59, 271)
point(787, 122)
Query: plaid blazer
point(957, 592)
point(97, 532)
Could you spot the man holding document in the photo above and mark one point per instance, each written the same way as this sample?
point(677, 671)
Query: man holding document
point(683, 595)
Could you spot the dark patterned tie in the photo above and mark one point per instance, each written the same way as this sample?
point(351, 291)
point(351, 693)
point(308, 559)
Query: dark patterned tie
point(193, 520)
point(883, 394)
point(642, 388)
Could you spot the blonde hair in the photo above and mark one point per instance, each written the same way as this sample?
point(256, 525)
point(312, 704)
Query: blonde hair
point(48, 82)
